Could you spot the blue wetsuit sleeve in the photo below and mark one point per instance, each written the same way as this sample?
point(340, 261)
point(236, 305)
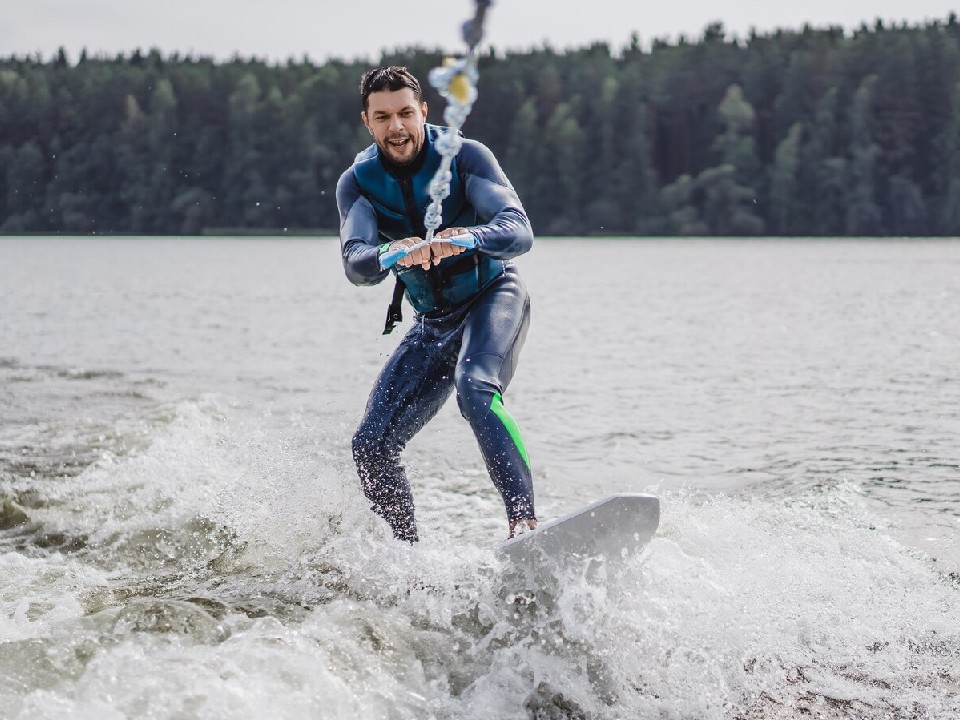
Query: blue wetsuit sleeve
point(505, 230)
point(359, 239)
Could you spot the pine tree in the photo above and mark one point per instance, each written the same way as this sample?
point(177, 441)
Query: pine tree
point(947, 179)
point(26, 184)
point(783, 182)
point(161, 130)
point(863, 214)
point(565, 149)
point(242, 183)
point(522, 159)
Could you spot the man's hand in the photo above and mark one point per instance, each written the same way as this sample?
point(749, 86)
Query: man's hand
point(420, 256)
point(441, 249)
point(433, 253)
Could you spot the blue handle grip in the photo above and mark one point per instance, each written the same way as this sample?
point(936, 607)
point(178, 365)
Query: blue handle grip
point(391, 258)
point(467, 241)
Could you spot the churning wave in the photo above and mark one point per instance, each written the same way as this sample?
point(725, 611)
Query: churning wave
point(227, 567)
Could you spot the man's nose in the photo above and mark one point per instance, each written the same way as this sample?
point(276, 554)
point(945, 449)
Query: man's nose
point(396, 123)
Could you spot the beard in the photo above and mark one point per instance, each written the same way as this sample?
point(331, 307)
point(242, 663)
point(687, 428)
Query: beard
point(402, 148)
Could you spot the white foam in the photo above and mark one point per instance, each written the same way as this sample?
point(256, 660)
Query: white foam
point(739, 607)
point(38, 593)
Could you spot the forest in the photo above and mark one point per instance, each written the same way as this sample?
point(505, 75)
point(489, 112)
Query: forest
point(807, 132)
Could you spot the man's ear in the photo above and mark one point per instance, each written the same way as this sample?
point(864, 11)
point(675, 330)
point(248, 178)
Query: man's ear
point(423, 108)
point(366, 121)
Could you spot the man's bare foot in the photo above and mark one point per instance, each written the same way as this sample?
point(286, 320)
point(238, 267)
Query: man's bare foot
point(519, 527)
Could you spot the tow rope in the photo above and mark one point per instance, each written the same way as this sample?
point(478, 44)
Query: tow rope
point(456, 81)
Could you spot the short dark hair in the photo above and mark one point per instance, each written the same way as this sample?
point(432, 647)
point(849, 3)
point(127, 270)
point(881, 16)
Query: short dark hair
point(390, 78)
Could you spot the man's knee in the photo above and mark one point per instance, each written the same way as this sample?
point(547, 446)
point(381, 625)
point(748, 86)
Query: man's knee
point(476, 384)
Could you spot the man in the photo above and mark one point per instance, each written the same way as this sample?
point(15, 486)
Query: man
point(472, 308)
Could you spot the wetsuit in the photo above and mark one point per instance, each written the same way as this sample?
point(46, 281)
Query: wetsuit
point(472, 317)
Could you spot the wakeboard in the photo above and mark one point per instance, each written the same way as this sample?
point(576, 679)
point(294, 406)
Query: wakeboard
point(613, 528)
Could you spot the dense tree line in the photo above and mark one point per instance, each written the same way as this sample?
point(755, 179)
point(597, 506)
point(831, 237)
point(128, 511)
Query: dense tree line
point(810, 132)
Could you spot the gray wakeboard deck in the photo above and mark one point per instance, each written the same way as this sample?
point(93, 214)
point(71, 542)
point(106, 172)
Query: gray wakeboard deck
point(613, 528)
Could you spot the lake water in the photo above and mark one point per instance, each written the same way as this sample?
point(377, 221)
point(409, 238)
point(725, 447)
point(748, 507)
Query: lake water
point(182, 534)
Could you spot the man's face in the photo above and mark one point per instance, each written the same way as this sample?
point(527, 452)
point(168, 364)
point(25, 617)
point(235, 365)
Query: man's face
point(395, 119)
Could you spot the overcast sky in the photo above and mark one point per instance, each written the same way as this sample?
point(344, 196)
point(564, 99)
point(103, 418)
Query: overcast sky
point(280, 29)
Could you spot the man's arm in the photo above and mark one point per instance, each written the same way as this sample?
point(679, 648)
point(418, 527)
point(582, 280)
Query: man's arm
point(505, 231)
point(359, 239)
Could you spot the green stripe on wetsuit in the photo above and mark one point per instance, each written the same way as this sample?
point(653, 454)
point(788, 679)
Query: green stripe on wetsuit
point(496, 405)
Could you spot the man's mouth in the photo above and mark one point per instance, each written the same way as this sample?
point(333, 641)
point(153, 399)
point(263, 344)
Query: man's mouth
point(398, 143)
